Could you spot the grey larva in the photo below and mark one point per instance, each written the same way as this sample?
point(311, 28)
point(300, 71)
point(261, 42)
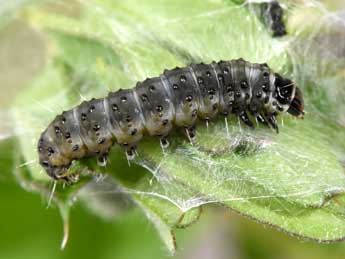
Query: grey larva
point(175, 99)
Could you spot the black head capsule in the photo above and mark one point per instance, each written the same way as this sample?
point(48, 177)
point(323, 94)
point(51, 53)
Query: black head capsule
point(289, 94)
point(297, 104)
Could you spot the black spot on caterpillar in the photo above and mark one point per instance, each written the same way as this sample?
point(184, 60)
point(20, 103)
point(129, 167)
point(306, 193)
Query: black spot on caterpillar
point(273, 15)
point(175, 99)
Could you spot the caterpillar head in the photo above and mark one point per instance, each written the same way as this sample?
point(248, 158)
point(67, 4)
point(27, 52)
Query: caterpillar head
point(289, 96)
point(50, 158)
point(297, 104)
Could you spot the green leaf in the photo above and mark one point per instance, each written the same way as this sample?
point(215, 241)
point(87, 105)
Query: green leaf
point(293, 180)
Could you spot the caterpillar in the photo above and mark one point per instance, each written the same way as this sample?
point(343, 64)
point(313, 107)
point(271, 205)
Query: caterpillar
point(175, 99)
point(273, 15)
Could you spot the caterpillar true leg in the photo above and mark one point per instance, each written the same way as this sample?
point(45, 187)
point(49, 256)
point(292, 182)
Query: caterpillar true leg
point(244, 117)
point(273, 122)
point(261, 119)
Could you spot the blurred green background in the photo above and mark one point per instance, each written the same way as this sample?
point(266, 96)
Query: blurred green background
point(30, 230)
